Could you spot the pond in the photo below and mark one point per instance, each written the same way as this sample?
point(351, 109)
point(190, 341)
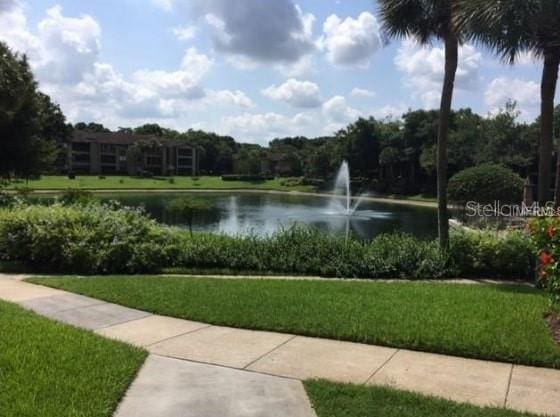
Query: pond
point(262, 213)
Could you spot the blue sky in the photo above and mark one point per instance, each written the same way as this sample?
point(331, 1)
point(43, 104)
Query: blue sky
point(254, 69)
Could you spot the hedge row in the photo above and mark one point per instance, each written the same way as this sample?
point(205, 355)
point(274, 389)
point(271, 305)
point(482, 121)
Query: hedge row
point(93, 239)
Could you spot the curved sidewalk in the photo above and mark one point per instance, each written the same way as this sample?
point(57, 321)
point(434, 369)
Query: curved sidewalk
point(261, 354)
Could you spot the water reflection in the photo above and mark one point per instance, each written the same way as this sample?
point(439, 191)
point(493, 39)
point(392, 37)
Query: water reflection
point(263, 214)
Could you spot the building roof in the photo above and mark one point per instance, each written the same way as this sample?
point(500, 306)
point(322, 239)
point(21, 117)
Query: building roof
point(112, 138)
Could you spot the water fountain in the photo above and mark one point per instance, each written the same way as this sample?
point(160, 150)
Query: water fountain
point(341, 201)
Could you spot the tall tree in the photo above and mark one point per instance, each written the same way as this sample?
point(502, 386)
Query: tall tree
point(428, 20)
point(515, 26)
point(19, 119)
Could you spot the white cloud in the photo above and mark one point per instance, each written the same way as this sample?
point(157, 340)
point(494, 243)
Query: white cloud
point(424, 69)
point(69, 47)
point(296, 93)
point(390, 111)
point(262, 127)
point(362, 92)
point(65, 54)
point(166, 5)
point(351, 42)
point(184, 33)
point(264, 32)
point(229, 98)
point(337, 110)
point(13, 28)
point(525, 93)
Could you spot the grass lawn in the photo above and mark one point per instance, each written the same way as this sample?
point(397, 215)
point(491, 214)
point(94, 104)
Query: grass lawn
point(124, 182)
point(344, 400)
point(49, 369)
point(503, 323)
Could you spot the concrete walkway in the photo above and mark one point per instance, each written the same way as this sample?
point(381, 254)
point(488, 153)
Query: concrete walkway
point(254, 372)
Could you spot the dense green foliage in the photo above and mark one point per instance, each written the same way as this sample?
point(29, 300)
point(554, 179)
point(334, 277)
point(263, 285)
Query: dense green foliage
point(545, 232)
point(496, 322)
point(82, 238)
point(49, 369)
point(109, 239)
point(30, 124)
point(476, 254)
point(486, 184)
point(345, 400)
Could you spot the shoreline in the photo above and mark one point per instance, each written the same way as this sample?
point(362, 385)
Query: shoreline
point(373, 199)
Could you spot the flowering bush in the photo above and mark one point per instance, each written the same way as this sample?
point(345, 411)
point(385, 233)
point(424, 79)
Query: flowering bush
point(545, 232)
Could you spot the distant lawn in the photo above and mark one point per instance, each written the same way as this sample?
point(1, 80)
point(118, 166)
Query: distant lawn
point(124, 182)
point(48, 369)
point(344, 400)
point(503, 323)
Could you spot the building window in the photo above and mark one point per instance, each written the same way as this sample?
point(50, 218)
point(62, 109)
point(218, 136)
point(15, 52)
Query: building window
point(80, 147)
point(80, 158)
point(188, 152)
point(108, 159)
point(107, 148)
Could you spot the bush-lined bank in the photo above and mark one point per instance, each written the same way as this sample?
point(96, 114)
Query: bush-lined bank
point(99, 239)
point(495, 322)
point(49, 369)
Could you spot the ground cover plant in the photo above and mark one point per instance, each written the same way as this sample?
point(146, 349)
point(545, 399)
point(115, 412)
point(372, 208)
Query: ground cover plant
point(102, 239)
point(49, 369)
point(92, 182)
point(345, 400)
point(496, 322)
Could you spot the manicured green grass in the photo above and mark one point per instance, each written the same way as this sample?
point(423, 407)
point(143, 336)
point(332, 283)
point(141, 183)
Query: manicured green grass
point(47, 182)
point(503, 323)
point(48, 369)
point(344, 400)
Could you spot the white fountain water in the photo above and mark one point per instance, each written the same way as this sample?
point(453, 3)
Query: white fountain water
point(342, 186)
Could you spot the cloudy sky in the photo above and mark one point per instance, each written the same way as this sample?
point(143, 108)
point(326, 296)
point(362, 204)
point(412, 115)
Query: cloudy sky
point(254, 69)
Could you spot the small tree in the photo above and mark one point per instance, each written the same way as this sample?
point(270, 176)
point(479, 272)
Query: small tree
point(188, 208)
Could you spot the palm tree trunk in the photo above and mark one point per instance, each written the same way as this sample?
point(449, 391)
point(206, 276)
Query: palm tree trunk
point(451, 62)
point(548, 90)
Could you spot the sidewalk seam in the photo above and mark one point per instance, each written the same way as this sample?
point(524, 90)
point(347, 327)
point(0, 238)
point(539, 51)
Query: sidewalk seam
point(508, 386)
point(177, 335)
point(381, 367)
point(269, 352)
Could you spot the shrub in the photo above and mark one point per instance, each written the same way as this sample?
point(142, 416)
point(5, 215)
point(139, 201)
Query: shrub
point(76, 196)
point(545, 232)
point(485, 184)
point(83, 239)
point(110, 239)
point(485, 254)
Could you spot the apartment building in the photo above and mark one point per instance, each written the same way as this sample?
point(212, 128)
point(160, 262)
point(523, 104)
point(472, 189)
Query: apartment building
point(107, 153)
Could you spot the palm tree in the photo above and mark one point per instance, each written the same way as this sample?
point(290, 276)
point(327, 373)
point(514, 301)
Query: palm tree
point(516, 26)
point(425, 21)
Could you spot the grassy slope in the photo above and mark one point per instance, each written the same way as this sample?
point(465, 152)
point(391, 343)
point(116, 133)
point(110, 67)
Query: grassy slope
point(342, 400)
point(123, 182)
point(490, 322)
point(49, 369)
